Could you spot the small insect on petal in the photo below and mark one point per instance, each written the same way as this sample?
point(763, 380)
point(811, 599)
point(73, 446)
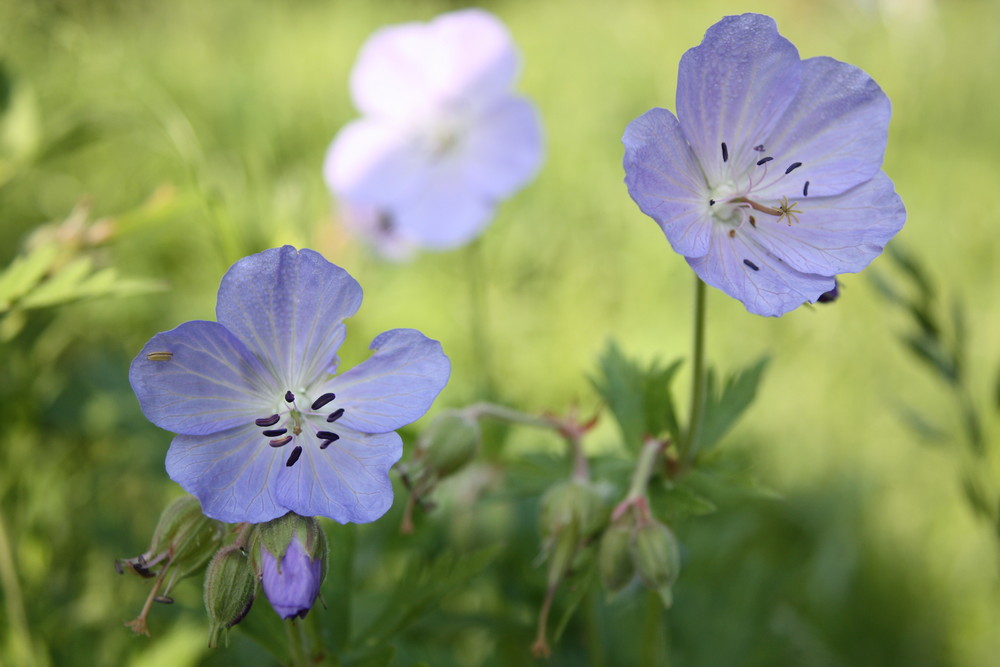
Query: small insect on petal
point(160, 356)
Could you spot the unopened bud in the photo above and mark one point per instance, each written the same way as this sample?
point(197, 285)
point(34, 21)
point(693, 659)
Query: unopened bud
point(614, 558)
point(229, 591)
point(657, 558)
point(573, 504)
point(293, 561)
point(450, 443)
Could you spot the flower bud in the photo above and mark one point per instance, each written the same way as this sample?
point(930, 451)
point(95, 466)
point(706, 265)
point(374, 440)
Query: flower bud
point(449, 443)
point(293, 560)
point(229, 591)
point(614, 559)
point(570, 512)
point(657, 558)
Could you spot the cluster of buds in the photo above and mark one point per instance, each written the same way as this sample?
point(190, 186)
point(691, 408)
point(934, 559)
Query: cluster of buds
point(639, 545)
point(287, 557)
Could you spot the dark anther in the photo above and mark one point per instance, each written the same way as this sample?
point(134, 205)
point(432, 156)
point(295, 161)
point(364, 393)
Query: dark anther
point(335, 415)
point(294, 456)
point(759, 148)
point(289, 396)
point(711, 202)
point(267, 421)
point(732, 233)
point(725, 152)
point(753, 222)
point(751, 265)
point(763, 160)
point(275, 432)
point(323, 400)
point(328, 441)
point(280, 442)
point(792, 167)
point(805, 189)
point(327, 435)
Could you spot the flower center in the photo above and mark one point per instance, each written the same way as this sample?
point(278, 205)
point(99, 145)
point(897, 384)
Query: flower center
point(281, 429)
point(733, 201)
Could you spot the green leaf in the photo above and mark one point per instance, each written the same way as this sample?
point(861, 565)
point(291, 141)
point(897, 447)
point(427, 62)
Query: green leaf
point(422, 586)
point(928, 432)
point(675, 501)
point(639, 397)
point(723, 410)
point(26, 271)
point(929, 351)
point(913, 269)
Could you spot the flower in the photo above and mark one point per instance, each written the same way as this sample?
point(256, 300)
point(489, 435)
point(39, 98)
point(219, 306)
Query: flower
point(264, 424)
point(291, 585)
point(442, 138)
point(768, 181)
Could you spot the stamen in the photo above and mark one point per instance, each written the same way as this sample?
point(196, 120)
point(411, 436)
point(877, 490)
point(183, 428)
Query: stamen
point(805, 189)
point(275, 432)
point(327, 435)
point(323, 400)
point(267, 421)
point(751, 265)
point(732, 233)
point(280, 442)
point(335, 415)
point(711, 202)
point(725, 152)
point(294, 456)
point(759, 148)
point(328, 441)
point(763, 160)
point(793, 166)
point(289, 396)
point(160, 356)
point(753, 222)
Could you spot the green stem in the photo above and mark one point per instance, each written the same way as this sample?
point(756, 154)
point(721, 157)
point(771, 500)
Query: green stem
point(297, 650)
point(654, 647)
point(651, 449)
point(691, 438)
point(478, 410)
point(19, 635)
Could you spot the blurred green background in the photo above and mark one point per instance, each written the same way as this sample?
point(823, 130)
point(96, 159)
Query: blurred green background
point(190, 134)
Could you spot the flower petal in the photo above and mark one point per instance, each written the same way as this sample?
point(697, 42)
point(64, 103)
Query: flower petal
point(288, 307)
point(374, 161)
point(772, 288)
point(840, 234)
point(836, 128)
point(199, 378)
point(347, 482)
point(734, 88)
point(445, 214)
point(234, 473)
point(502, 148)
point(407, 70)
point(395, 386)
point(664, 179)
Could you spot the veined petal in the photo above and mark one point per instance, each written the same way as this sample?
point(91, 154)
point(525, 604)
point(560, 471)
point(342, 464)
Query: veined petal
point(836, 128)
point(502, 149)
point(408, 69)
point(840, 234)
point(234, 473)
point(288, 307)
point(664, 179)
point(733, 88)
point(772, 288)
point(395, 386)
point(347, 482)
point(199, 378)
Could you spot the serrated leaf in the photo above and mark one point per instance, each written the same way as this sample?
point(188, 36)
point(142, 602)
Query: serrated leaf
point(723, 409)
point(929, 351)
point(913, 269)
point(639, 397)
point(928, 432)
point(883, 287)
point(676, 501)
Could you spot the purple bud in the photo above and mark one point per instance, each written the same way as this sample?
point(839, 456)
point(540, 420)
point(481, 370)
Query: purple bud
point(292, 585)
point(831, 296)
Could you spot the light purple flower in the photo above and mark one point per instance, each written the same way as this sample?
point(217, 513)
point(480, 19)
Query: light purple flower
point(292, 585)
point(442, 138)
point(769, 179)
point(264, 425)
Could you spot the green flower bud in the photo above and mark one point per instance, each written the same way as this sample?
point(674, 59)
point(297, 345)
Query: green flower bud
point(657, 558)
point(293, 563)
point(449, 443)
point(614, 559)
point(572, 504)
point(229, 591)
